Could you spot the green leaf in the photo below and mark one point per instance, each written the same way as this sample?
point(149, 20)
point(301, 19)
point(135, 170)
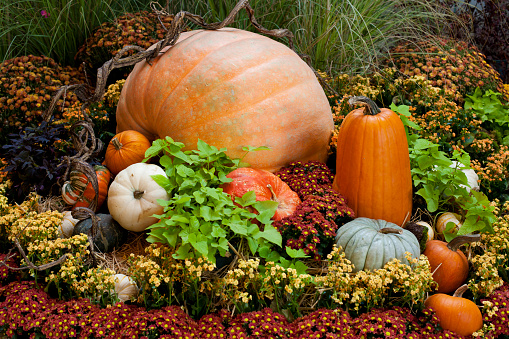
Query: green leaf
point(199, 242)
point(254, 149)
point(299, 253)
point(183, 252)
point(266, 210)
point(270, 233)
point(184, 171)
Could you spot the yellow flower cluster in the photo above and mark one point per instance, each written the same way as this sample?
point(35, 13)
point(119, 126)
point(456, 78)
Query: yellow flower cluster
point(486, 278)
point(112, 94)
point(158, 268)
point(34, 227)
point(395, 283)
point(277, 279)
point(95, 283)
point(241, 282)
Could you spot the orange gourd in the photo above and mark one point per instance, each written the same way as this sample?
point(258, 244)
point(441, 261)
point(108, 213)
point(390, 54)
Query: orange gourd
point(230, 88)
point(373, 163)
point(266, 185)
point(125, 148)
point(88, 195)
point(455, 313)
point(447, 263)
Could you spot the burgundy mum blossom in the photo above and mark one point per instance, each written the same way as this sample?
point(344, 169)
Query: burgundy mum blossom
point(44, 14)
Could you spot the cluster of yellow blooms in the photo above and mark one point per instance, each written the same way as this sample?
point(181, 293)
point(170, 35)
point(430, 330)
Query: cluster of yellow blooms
point(395, 282)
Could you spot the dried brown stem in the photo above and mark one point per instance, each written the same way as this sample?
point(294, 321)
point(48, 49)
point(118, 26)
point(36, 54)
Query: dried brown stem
point(173, 33)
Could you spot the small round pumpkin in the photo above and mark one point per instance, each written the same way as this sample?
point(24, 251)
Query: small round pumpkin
point(266, 185)
point(125, 148)
point(66, 227)
point(445, 218)
point(447, 263)
point(108, 233)
point(455, 313)
point(369, 244)
point(125, 287)
point(133, 195)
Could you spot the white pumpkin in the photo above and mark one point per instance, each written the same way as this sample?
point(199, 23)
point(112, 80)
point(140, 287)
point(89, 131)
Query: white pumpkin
point(472, 177)
point(446, 218)
point(133, 195)
point(67, 225)
point(431, 232)
point(125, 287)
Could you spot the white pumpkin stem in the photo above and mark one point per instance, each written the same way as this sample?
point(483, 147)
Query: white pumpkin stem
point(390, 230)
point(371, 107)
point(118, 145)
point(274, 197)
point(138, 194)
point(459, 292)
point(455, 243)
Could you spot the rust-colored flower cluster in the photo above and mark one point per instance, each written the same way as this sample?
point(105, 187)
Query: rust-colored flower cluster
point(141, 29)
point(27, 85)
point(312, 227)
point(26, 310)
point(454, 66)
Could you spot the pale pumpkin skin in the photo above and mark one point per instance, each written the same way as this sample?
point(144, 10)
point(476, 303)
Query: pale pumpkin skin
point(369, 249)
point(231, 88)
point(131, 212)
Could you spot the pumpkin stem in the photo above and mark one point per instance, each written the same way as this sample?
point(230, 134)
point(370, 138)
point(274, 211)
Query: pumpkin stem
point(371, 107)
point(274, 197)
point(118, 145)
point(138, 194)
point(463, 239)
point(459, 292)
point(387, 230)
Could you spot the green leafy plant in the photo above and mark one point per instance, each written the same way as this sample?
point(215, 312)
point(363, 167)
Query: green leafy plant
point(200, 219)
point(492, 112)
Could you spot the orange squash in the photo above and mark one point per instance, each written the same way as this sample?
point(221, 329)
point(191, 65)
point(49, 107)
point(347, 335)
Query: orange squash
point(80, 186)
point(266, 185)
point(125, 148)
point(230, 88)
point(373, 163)
point(447, 263)
point(455, 313)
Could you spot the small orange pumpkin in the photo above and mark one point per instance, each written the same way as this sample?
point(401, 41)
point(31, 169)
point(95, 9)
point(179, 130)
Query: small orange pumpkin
point(126, 148)
point(447, 263)
point(78, 191)
point(266, 185)
point(373, 163)
point(455, 313)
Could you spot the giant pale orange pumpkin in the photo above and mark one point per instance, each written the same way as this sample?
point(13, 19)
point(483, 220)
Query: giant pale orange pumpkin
point(373, 163)
point(125, 148)
point(230, 88)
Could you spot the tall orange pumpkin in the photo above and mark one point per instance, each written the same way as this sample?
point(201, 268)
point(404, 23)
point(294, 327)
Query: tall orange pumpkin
point(373, 163)
point(230, 88)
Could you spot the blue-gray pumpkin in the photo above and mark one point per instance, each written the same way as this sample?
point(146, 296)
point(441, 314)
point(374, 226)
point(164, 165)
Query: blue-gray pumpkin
point(369, 244)
point(109, 234)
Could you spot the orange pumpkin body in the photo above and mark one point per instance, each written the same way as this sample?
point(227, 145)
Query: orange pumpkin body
point(230, 88)
point(125, 148)
point(103, 180)
point(373, 166)
point(249, 179)
point(456, 314)
point(450, 267)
